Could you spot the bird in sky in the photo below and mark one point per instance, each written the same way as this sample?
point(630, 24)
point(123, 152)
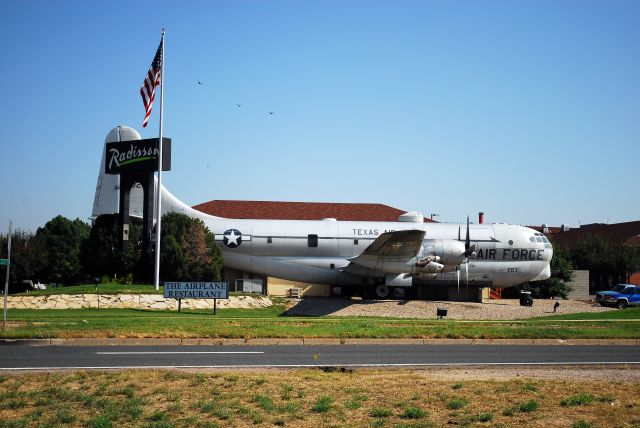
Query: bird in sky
point(239, 105)
point(200, 83)
point(270, 112)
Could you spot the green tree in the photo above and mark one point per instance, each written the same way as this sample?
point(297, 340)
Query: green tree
point(561, 274)
point(57, 247)
point(607, 263)
point(188, 250)
point(22, 259)
point(173, 261)
point(101, 253)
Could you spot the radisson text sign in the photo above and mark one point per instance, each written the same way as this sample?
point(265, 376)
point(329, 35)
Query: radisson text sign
point(137, 156)
point(196, 290)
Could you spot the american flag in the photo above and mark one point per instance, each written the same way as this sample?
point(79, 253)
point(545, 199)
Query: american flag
point(151, 80)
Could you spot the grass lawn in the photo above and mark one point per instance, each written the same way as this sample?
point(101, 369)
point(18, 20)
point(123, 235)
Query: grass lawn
point(308, 398)
point(272, 323)
point(625, 314)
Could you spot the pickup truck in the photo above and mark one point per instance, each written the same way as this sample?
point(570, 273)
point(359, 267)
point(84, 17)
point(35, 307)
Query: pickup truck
point(620, 296)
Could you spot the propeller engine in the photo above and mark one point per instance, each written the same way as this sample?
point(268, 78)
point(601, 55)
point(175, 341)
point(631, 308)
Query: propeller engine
point(469, 250)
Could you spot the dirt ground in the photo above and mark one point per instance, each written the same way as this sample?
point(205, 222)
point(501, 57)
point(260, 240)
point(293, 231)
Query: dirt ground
point(505, 309)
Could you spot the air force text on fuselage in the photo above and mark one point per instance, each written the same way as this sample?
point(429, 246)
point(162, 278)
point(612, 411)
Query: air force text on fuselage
point(509, 254)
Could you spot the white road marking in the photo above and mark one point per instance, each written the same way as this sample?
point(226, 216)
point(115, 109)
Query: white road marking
point(177, 352)
point(292, 366)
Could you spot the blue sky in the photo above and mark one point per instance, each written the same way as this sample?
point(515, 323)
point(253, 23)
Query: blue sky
point(527, 110)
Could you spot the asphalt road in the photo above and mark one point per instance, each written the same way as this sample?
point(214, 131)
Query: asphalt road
point(21, 357)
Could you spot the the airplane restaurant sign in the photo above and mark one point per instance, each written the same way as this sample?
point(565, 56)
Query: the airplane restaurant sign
point(196, 290)
point(137, 156)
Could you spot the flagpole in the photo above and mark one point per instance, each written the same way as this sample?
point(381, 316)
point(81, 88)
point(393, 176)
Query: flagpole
point(6, 281)
point(159, 189)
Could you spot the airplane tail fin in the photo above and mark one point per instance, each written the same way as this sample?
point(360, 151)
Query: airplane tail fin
point(106, 200)
point(107, 196)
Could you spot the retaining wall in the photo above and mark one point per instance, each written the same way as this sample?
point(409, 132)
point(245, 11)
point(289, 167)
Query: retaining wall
point(130, 301)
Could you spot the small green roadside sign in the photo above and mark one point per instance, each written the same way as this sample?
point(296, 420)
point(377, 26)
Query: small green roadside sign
point(4, 262)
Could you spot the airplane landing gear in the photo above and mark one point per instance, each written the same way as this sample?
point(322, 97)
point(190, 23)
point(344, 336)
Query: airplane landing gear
point(382, 291)
point(525, 296)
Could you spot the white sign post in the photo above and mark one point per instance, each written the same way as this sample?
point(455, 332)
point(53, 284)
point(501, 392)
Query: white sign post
point(6, 281)
point(196, 290)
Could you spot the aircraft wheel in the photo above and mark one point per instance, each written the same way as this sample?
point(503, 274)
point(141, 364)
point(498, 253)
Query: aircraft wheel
point(382, 291)
point(526, 301)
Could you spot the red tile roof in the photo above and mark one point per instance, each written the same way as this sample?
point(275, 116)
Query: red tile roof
point(300, 210)
point(632, 242)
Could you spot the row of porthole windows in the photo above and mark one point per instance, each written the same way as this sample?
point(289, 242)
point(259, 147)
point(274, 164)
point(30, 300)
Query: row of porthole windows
point(312, 240)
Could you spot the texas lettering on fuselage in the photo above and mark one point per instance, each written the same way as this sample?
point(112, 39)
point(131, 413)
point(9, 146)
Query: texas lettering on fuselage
point(369, 232)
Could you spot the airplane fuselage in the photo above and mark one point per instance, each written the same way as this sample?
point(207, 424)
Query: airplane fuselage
point(320, 251)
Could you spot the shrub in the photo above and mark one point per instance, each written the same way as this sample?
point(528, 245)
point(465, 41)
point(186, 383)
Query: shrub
point(484, 417)
point(529, 406)
point(265, 402)
point(65, 416)
point(323, 404)
point(578, 400)
point(99, 422)
point(378, 412)
point(413, 413)
point(158, 416)
point(457, 403)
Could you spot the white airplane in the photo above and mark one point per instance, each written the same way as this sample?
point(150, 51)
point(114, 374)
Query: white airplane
point(376, 256)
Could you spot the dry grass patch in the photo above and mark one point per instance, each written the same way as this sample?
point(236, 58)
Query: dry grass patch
point(308, 398)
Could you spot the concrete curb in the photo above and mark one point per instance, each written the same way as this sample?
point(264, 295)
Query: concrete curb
point(25, 342)
point(131, 341)
point(357, 341)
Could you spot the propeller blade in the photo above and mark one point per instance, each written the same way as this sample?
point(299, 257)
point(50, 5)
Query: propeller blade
point(468, 248)
point(467, 240)
point(458, 275)
point(466, 268)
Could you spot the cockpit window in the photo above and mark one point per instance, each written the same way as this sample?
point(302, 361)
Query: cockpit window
point(532, 239)
point(544, 238)
point(539, 239)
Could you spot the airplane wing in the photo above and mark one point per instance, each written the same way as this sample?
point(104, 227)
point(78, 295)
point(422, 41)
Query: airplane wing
point(403, 243)
point(388, 247)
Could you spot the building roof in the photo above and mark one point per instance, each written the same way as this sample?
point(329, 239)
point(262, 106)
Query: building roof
point(272, 210)
point(632, 242)
point(547, 230)
point(617, 234)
